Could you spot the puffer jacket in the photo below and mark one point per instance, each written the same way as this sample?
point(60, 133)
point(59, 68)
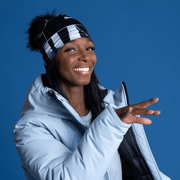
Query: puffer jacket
point(55, 144)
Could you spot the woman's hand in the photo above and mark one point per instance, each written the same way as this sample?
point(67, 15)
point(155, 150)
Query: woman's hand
point(128, 114)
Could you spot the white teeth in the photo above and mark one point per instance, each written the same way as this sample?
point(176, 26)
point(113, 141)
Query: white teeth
point(81, 69)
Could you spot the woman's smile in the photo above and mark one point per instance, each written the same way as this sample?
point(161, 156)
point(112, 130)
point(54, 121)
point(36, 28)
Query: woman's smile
point(82, 70)
point(75, 62)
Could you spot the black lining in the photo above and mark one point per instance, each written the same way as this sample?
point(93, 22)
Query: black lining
point(126, 93)
point(134, 165)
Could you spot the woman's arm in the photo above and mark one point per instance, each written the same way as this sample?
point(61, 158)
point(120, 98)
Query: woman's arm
point(44, 157)
point(47, 158)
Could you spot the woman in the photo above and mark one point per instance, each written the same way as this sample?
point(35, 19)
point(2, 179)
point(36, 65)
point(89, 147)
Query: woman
point(71, 127)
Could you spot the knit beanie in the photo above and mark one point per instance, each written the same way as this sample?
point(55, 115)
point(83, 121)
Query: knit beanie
point(55, 33)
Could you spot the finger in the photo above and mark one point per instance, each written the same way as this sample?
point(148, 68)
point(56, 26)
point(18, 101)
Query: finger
point(142, 111)
point(135, 119)
point(142, 120)
point(145, 104)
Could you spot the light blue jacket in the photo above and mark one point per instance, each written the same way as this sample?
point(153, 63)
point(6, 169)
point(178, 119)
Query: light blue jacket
point(54, 143)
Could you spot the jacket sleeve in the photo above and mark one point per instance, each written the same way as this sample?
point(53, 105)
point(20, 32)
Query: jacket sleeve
point(46, 158)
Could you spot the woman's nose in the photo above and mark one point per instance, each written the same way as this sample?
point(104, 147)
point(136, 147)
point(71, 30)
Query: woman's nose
point(83, 56)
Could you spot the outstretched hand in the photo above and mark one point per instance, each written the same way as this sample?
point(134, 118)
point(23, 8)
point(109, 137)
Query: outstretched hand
point(128, 114)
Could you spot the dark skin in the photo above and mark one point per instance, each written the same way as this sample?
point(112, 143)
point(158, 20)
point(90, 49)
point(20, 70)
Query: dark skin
point(70, 59)
point(128, 114)
point(76, 99)
point(76, 61)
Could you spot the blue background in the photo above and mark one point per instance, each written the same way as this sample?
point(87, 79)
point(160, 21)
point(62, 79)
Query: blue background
point(137, 41)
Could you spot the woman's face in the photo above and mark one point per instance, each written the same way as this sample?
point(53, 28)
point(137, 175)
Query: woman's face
point(75, 62)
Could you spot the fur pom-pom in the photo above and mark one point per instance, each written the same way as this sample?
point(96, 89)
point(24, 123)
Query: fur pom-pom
point(36, 26)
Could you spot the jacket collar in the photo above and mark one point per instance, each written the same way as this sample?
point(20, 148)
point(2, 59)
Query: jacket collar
point(39, 102)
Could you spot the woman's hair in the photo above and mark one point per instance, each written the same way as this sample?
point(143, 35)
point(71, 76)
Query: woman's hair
point(92, 93)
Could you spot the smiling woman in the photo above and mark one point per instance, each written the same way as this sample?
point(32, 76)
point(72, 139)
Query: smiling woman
point(71, 127)
point(75, 62)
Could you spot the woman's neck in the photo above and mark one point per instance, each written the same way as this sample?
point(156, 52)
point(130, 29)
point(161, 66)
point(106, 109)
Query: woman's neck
point(75, 96)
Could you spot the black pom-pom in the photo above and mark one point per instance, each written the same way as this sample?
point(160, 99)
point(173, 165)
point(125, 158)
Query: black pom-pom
point(36, 26)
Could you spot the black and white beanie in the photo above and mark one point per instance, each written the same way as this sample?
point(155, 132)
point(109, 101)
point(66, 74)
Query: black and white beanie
point(57, 32)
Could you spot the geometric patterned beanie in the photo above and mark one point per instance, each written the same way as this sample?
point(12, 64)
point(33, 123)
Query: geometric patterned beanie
point(57, 32)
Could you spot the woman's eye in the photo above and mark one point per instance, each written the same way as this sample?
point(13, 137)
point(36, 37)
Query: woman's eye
point(90, 48)
point(70, 49)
